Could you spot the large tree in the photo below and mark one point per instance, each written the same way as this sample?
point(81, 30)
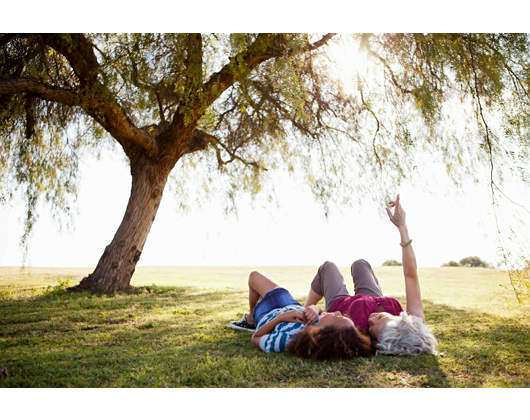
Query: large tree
point(245, 103)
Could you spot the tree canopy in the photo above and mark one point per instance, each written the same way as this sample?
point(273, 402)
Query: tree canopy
point(240, 105)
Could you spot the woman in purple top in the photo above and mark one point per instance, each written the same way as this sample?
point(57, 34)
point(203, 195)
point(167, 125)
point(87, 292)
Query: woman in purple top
point(394, 330)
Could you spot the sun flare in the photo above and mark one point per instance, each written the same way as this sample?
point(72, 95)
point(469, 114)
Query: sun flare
point(350, 61)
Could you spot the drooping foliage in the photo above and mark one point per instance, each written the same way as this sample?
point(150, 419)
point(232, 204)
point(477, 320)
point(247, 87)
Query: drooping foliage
point(228, 109)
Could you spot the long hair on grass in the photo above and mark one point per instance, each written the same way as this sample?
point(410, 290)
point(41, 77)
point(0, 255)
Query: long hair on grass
point(330, 343)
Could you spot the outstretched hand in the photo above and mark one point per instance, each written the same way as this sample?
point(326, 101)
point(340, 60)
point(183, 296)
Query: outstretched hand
point(398, 217)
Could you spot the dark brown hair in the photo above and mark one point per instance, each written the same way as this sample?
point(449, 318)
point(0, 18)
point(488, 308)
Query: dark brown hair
point(330, 343)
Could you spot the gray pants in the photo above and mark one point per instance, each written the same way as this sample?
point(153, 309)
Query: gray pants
point(329, 282)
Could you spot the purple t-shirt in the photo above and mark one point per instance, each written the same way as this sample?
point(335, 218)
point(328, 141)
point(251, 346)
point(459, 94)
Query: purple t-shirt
point(359, 308)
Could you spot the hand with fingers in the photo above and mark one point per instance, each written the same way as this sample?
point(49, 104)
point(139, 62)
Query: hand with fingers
point(293, 316)
point(398, 217)
point(311, 314)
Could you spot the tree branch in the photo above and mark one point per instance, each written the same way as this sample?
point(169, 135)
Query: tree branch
point(107, 113)
point(321, 42)
point(389, 69)
point(281, 109)
point(79, 51)
point(479, 102)
point(265, 47)
point(193, 63)
point(202, 137)
point(369, 109)
point(41, 90)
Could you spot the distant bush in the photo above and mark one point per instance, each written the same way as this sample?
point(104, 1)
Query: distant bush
point(467, 262)
point(392, 263)
point(451, 264)
point(473, 262)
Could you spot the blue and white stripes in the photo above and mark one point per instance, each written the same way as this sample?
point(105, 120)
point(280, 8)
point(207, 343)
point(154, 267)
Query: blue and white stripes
point(278, 339)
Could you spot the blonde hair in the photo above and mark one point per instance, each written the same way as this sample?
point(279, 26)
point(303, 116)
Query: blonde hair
point(409, 335)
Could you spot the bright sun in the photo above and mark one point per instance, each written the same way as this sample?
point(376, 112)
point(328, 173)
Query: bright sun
point(349, 60)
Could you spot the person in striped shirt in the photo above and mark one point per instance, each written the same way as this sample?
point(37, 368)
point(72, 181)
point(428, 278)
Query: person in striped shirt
point(280, 323)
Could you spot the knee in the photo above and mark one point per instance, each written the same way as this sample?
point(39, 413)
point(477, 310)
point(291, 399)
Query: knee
point(328, 265)
point(252, 277)
point(253, 274)
point(360, 263)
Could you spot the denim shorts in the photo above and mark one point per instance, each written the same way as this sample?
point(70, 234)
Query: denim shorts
point(273, 299)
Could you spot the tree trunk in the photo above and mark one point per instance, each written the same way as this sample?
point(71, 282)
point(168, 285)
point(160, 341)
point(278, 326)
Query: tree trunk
point(118, 263)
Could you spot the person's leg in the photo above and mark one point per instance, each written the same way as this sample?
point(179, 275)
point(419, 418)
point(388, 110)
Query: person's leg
point(364, 280)
point(258, 286)
point(328, 283)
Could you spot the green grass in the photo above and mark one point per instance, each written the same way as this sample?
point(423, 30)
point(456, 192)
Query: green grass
point(176, 334)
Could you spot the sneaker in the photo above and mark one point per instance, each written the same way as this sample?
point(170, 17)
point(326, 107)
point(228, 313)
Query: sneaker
point(243, 325)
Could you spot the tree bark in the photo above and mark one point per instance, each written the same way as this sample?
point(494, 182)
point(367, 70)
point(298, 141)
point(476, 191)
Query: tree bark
point(118, 263)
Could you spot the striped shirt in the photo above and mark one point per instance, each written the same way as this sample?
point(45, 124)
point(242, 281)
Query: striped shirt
point(282, 333)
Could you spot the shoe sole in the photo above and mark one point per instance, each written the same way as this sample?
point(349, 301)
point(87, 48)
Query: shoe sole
point(237, 327)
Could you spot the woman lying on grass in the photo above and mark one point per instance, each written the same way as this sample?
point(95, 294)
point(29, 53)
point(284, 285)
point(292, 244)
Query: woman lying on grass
point(284, 324)
point(394, 331)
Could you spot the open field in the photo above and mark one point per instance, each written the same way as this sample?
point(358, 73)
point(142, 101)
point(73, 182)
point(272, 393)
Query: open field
point(175, 332)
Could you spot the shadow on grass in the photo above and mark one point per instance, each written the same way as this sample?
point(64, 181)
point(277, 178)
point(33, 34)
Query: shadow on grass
point(179, 337)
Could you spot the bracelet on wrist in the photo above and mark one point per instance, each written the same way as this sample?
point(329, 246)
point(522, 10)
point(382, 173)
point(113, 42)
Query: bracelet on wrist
point(407, 244)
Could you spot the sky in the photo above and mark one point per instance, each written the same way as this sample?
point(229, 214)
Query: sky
point(445, 224)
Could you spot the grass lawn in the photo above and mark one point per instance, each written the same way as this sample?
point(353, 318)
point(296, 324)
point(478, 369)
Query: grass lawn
point(175, 332)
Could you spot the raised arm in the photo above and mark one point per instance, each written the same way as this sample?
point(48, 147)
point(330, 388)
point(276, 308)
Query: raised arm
point(410, 269)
